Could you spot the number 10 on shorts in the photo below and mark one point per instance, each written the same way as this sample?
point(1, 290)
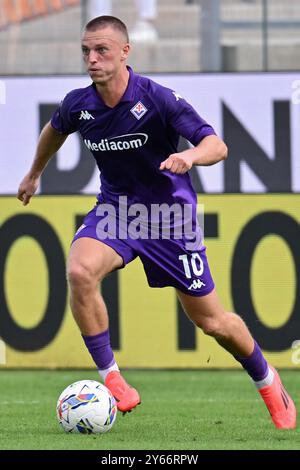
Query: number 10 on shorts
point(192, 263)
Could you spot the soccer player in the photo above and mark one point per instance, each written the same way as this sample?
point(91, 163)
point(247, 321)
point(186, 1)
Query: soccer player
point(131, 125)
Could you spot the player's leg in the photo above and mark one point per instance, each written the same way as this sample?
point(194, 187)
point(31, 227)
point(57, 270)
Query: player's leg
point(231, 333)
point(89, 262)
point(227, 328)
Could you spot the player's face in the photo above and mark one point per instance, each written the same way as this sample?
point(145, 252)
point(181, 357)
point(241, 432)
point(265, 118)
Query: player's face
point(104, 53)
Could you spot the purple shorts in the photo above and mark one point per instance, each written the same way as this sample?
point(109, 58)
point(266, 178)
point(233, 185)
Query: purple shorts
point(167, 262)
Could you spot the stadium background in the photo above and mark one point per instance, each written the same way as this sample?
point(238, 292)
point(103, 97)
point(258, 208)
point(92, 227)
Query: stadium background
point(236, 61)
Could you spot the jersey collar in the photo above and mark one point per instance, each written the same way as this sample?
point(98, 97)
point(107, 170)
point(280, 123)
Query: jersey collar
point(129, 92)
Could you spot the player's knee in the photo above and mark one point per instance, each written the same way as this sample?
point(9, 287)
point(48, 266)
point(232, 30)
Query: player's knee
point(79, 275)
point(212, 327)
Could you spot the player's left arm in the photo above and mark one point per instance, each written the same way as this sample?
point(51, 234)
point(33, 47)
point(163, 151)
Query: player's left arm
point(209, 151)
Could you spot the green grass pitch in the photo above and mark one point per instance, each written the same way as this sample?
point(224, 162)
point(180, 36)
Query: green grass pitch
point(180, 410)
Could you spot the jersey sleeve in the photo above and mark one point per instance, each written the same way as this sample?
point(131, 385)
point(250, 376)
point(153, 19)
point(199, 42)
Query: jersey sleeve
point(62, 118)
point(183, 118)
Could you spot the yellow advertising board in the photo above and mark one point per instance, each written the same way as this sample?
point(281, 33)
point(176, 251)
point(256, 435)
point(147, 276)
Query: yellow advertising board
point(253, 250)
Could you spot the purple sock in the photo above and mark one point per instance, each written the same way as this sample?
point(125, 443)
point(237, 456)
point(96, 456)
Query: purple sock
point(255, 364)
point(100, 349)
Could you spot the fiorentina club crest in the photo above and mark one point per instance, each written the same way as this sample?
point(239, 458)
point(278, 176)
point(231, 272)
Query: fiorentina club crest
point(139, 110)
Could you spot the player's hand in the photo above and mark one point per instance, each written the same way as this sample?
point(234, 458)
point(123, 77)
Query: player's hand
point(177, 163)
point(27, 188)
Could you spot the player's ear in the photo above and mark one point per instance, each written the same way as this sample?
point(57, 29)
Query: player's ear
point(125, 51)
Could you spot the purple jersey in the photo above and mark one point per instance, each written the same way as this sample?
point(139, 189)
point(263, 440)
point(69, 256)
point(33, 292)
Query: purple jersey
point(130, 140)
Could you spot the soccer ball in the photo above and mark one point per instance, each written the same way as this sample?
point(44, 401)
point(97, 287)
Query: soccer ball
point(86, 407)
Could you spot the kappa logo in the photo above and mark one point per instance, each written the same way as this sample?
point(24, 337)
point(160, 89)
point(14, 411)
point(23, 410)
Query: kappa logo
point(86, 116)
point(139, 110)
point(177, 95)
point(196, 284)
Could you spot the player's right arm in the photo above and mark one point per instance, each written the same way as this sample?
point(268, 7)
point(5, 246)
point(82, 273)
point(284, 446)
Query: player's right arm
point(49, 143)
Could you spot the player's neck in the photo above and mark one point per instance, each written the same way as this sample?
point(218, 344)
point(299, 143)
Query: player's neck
point(112, 91)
